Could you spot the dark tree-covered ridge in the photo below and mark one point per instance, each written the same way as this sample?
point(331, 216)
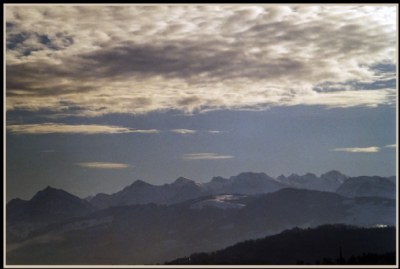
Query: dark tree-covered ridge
point(327, 244)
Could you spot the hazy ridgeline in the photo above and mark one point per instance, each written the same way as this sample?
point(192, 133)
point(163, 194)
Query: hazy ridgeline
point(154, 224)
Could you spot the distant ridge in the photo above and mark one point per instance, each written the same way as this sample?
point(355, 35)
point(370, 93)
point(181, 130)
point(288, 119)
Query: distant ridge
point(47, 206)
point(141, 192)
point(368, 186)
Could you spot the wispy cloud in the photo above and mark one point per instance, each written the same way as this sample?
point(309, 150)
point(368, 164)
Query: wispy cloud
point(358, 150)
point(206, 156)
point(103, 165)
point(189, 131)
point(365, 150)
point(183, 131)
point(145, 131)
point(391, 146)
point(366, 98)
point(135, 60)
point(87, 129)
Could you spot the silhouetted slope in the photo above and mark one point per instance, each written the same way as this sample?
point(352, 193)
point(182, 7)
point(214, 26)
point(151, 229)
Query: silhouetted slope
point(336, 243)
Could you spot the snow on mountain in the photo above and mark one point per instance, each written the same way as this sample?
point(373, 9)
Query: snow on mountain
point(220, 201)
point(368, 186)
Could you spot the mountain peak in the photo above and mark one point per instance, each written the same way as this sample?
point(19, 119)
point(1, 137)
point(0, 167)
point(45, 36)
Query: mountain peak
point(48, 191)
point(139, 183)
point(333, 173)
point(251, 175)
point(281, 177)
point(51, 192)
point(49, 188)
point(310, 175)
point(16, 201)
point(219, 179)
point(182, 180)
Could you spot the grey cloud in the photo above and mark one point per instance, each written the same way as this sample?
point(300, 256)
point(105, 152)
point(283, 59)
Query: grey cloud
point(174, 60)
point(188, 100)
point(140, 59)
point(185, 60)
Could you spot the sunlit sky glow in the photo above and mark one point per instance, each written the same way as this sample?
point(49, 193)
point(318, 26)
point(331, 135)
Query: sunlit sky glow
point(99, 96)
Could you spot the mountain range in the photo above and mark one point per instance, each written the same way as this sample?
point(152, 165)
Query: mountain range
point(140, 192)
point(148, 224)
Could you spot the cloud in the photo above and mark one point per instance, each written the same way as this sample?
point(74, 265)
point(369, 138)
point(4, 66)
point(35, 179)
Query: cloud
point(183, 131)
point(189, 131)
point(366, 149)
point(205, 156)
point(366, 98)
point(139, 59)
point(103, 165)
point(391, 146)
point(359, 150)
point(56, 128)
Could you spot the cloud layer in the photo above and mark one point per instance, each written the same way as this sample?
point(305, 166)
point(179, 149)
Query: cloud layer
point(206, 156)
point(103, 165)
point(57, 128)
point(91, 129)
point(138, 59)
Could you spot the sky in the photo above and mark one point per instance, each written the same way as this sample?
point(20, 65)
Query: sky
point(100, 96)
